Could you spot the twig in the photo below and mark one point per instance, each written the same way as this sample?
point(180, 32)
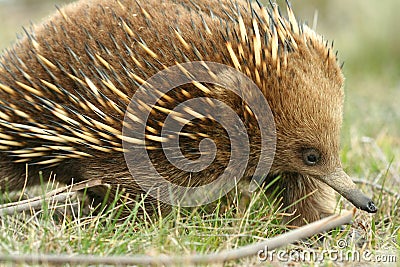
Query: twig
point(382, 157)
point(376, 186)
point(56, 195)
point(242, 252)
point(62, 197)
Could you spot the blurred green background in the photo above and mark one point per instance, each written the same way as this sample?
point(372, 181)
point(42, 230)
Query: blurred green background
point(366, 33)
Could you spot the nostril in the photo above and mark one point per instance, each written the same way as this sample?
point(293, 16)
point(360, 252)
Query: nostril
point(371, 207)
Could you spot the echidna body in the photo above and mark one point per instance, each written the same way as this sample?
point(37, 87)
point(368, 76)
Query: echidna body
point(65, 87)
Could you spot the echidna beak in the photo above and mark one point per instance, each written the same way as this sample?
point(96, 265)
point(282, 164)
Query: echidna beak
point(358, 199)
point(343, 184)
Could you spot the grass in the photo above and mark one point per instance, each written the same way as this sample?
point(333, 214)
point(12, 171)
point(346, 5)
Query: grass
point(64, 229)
point(369, 45)
point(70, 228)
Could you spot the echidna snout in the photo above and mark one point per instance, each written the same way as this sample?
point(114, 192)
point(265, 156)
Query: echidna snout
point(343, 184)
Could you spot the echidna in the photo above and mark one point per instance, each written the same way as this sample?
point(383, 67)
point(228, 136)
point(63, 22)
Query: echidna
point(66, 85)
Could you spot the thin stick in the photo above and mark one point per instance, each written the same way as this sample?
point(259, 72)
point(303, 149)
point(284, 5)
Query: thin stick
point(62, 197)
point(56, 195)
point(242, 252)
point(376, 186)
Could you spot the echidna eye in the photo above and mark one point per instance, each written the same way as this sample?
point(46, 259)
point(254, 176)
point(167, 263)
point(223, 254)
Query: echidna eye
point(311, 156)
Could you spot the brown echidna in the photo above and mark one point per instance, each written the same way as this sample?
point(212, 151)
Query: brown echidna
point(65, 88)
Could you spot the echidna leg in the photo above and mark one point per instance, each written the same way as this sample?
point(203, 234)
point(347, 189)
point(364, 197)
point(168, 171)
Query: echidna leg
point(307, 199)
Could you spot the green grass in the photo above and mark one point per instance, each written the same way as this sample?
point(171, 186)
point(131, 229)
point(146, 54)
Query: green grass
point(366, 36)
point(223, 225)
point(71, 228)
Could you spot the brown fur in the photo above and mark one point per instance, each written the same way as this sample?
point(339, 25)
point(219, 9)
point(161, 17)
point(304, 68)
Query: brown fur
point(305, 95)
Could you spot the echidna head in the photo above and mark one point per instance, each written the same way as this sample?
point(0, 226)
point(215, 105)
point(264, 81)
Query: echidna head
point(307, 102)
